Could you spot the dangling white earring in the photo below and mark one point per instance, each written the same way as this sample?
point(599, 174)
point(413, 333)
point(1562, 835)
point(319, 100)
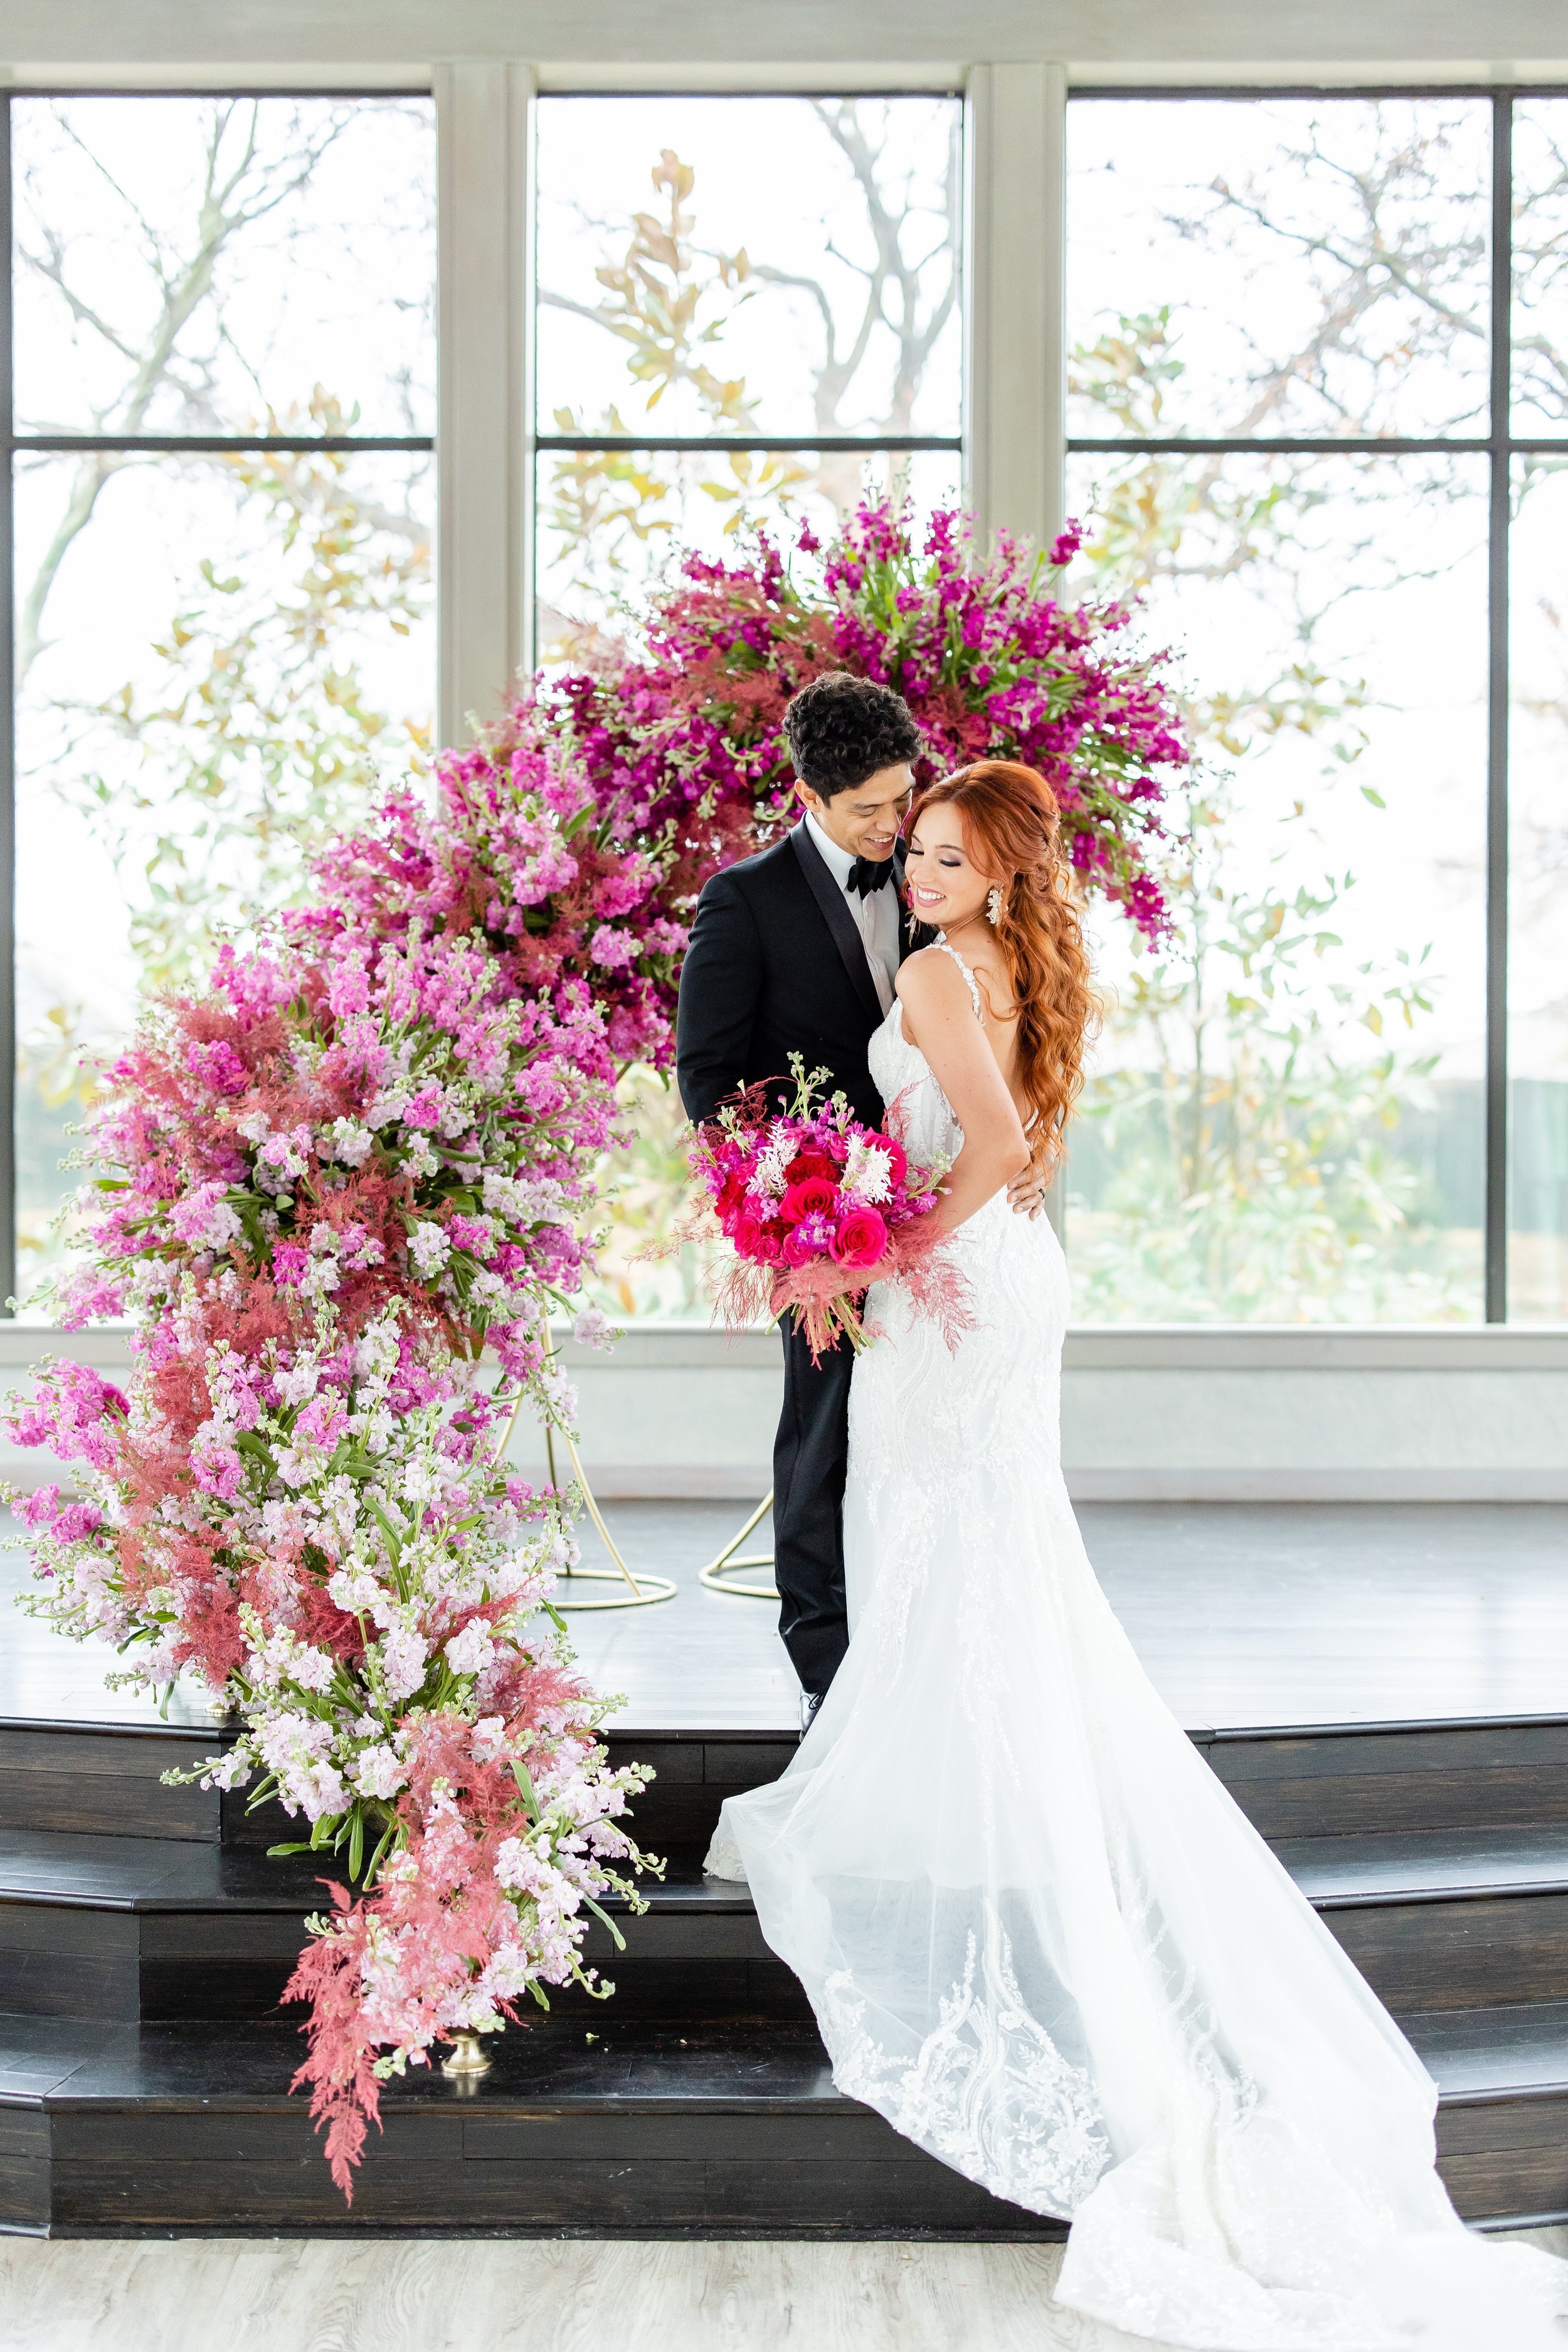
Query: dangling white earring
point(994, 904)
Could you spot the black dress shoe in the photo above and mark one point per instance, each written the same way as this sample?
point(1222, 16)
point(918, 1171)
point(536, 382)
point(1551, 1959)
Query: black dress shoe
point(810, 1703)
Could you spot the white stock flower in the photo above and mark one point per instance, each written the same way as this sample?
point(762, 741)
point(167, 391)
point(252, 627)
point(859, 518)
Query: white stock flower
point(470, 1652)
point(403, 1661)
point(312, 1668)
point(347, 1141)
point(502, 1196)
point(375, 1353)
point(354, 1590)
point(298, 1385)
point(429, 1248)
point(296, 1748)
point(378, 1771)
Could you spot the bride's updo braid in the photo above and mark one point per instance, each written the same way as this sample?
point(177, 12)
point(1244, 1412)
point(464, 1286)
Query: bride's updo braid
point(1009, 818)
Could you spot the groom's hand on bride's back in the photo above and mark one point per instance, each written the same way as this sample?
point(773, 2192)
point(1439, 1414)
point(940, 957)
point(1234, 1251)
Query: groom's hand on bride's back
point(1026, 1193)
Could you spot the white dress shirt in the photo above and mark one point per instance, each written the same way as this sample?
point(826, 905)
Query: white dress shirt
point(875, 913)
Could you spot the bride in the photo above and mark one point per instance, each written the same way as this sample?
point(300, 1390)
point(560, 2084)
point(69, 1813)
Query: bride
point(1038, 1936)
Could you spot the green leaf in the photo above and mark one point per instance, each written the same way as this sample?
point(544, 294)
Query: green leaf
point(606, 1920)
point(520, 1773)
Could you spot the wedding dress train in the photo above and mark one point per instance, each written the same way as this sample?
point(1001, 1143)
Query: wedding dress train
point(1038, 1936)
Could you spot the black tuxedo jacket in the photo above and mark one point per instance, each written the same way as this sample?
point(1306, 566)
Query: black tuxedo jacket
point(776, 966)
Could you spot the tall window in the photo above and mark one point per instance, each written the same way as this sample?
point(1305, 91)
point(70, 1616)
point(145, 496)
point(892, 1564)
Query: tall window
point(218, 442)
point(748, 308)
point(749, 312)
point(1341, 1092)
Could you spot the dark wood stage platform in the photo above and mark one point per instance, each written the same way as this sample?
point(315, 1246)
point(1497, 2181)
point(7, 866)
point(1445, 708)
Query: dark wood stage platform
point(1382, 1687)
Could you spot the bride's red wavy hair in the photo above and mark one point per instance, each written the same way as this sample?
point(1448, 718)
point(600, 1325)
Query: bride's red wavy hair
point(1011, 829)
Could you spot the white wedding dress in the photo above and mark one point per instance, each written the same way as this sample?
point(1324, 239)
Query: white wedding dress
point(1038, 1936)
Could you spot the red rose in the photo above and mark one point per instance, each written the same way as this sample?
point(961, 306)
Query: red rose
point(813, 1196)
point(861, 1240)
point(810, 1163)
point(733, 1193)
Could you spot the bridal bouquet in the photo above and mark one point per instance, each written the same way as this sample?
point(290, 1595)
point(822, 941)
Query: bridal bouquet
point(817, 1207)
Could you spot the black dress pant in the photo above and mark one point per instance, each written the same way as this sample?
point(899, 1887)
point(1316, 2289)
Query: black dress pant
point(810, 1455)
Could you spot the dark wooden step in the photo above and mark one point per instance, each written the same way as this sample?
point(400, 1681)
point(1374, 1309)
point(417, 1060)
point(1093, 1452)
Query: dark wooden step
point(1306, 1782)
point(149, 1929)
point(164, 1928)
point(1466, 1919)
point(104, 1781)
point(629, 2133)
point(618, 2129)
point(1502, 2124)
point(1392, 1779)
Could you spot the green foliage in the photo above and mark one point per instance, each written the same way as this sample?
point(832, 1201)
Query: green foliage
point(668, 304)
point(258, 739)
point(1253, 1147)
point(645, 1182)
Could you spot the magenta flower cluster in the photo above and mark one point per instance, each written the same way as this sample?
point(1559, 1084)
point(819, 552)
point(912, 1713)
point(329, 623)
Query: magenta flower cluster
point(678, 748)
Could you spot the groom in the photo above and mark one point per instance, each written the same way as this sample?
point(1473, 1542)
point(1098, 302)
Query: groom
point(795, 952)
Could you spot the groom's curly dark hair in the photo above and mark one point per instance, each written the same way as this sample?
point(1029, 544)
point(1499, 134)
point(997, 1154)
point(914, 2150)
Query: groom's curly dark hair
point(843, 729)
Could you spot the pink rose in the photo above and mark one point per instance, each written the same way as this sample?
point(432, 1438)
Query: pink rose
point(813, 1196)
point(797, 1250)
point(746, 1232)
point(861, 1240)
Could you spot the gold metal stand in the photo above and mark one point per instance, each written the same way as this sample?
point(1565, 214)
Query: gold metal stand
point(720, 1575)
point(643, 1591)
point(640, 1592)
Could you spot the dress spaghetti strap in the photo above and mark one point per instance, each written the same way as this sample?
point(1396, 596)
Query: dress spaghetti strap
point(970, 980)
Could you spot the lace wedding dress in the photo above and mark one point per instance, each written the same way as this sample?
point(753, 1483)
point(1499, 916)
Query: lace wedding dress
point(1038, 1936)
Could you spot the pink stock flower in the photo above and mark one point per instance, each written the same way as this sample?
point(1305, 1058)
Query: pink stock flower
point(290, 1265)
point(217, 1065)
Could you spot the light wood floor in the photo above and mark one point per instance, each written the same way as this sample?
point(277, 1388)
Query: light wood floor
point(480, 2295)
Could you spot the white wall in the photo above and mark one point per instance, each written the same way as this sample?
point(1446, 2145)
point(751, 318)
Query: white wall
point(1168, 1414)
point(787, 37)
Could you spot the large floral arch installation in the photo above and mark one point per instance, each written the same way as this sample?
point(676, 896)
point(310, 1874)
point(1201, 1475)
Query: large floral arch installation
point(359, 1160)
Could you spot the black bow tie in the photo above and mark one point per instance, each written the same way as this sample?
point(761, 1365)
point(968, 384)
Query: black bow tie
point(869, 873)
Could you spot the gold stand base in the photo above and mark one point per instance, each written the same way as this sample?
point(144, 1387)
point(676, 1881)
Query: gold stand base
point(720, 1575)
point(467, 2062)
point(644, 1589)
